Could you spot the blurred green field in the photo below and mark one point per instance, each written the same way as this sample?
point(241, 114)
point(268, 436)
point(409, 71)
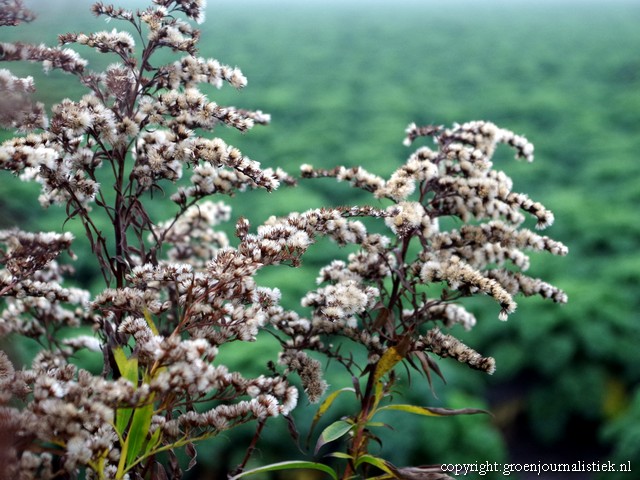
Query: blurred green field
point(342, 82)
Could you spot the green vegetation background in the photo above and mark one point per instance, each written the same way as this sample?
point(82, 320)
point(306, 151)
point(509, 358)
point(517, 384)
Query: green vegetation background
point(342, 82)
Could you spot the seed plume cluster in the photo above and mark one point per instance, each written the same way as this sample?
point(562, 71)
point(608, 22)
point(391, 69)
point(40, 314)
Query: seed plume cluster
point(400, 289)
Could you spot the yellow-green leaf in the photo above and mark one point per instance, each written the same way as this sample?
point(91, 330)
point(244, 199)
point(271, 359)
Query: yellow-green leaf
point(288, 466)
point(433, 411)
point(152, 326)
point(377, 424)
point(342, 455)
point(376, 462)
point(378, 394)
point(389, 359)
point(128, 366)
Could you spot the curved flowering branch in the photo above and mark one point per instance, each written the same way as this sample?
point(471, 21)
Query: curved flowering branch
point(176, 290)
point(392, 297)
point(456, 180)
point(138, 121)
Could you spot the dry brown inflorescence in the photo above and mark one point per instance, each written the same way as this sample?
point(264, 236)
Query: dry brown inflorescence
point(176, 290)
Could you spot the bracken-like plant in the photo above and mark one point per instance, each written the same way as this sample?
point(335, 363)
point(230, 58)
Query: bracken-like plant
point(179, 289)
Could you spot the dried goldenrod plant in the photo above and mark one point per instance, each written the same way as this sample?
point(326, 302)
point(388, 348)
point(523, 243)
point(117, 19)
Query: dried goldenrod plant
point(176, 290)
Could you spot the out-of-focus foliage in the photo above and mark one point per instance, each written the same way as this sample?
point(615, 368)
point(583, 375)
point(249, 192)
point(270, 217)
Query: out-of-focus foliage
point(341, 82)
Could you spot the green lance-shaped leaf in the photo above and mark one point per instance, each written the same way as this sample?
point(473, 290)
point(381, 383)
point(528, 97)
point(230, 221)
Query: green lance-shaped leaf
point(333, 432)
point(123, 415)
point(128, 368)
point(324, 406)
point(378, 424)
point(433, 411)
point(289, 466)
point(138, 432)
point(154, 441)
